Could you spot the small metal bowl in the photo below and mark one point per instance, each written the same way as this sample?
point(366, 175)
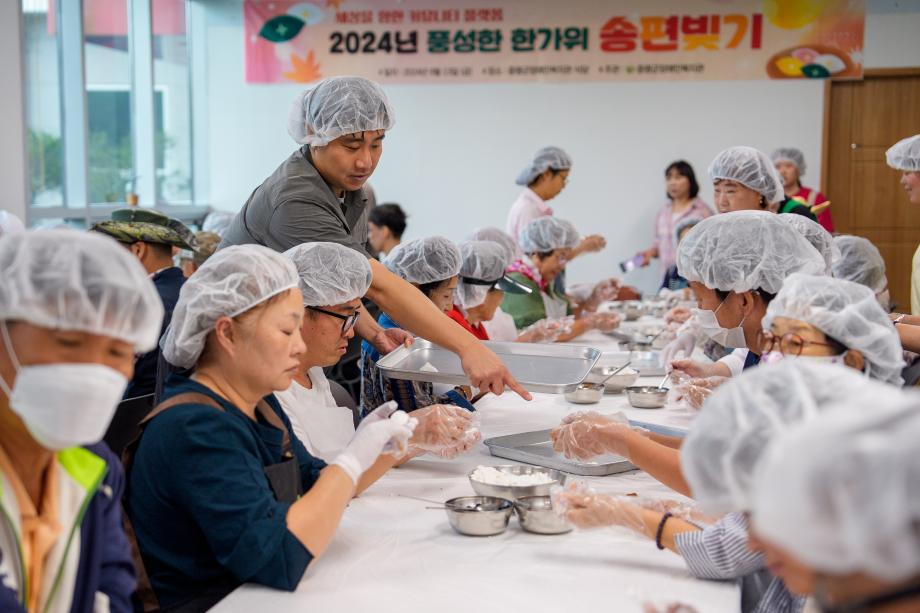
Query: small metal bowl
point(647, 396)
point(643, 345)
point(513, 492)
point(479, 515)
point(536, 515)
point(586, 393)
point(616, 383)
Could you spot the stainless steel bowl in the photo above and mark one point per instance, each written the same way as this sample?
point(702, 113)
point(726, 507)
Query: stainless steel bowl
point(479, 515)
point(586, 393)
point(647, 396)
point(616, 383)
point(513, 492)
point(643, 345)
point(536, 515)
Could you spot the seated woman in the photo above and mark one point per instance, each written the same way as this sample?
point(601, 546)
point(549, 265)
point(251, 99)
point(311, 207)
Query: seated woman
point(75, 308)
point(744, 179)
point(719, 459)
point(859, 261)
point(672, 279)
point(547, 243)
point(220, 489)
point(835, 508)
point(333, 278)
point(431, 264)
point(482, 285)
point(501, 327)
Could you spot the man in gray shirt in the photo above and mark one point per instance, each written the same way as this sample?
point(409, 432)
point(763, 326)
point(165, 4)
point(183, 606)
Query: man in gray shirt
point(317, 195)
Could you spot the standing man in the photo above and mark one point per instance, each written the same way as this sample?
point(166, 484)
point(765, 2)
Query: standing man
point(151, 237)
point(790, 164)
point(317, 194)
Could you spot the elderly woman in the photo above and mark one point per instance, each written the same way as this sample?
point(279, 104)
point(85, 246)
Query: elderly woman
point(482, 285)
point(432, 265)
point(790, 164)
point(220, 489)
point(547, 244)
point(744, 179)
point(75, 309)
point(333, 278)
point(860, 262)
point(735, 265)
point(835, 508)
point(719, 459)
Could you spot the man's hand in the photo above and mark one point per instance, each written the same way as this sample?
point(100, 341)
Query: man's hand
point(487, 372)
point(390, 339)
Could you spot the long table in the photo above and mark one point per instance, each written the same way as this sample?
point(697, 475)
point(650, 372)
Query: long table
point(392, 554)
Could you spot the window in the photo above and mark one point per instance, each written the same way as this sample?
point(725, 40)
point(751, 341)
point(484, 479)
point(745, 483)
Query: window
point(108, 109)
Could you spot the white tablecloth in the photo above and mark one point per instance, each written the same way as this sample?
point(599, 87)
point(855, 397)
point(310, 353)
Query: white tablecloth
point(391, 554)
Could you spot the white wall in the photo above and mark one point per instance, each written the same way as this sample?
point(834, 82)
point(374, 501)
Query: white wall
point(12, 134)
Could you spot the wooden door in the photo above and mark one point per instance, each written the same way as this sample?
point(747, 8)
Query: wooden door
point(861, 120)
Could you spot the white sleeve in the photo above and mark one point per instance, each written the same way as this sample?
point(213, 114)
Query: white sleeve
point(735, 361)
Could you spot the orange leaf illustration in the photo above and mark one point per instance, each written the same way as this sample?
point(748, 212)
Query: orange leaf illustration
point(336, 4)
point(306, 70)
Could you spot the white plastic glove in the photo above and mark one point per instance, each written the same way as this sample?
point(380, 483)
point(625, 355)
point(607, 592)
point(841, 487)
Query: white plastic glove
point(695, 391)
point(386, 436)
point(582, 507)
point(683, 345)
point(445, 431)
point(584, 435)
point(678, 314)
point(604, 291)
point(548, 330)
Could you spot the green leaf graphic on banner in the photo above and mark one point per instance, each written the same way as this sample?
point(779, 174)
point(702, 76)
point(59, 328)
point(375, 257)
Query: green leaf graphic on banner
point(281, 29)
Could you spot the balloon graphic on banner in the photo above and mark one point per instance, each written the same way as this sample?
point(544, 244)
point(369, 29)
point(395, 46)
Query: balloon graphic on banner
point(793, 14)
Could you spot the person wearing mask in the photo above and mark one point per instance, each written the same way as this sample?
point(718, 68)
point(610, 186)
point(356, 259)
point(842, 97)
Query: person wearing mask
point(719, 458)
point(318, 195)
point(75, 308)
point(543, 179)
point(790, 164)
point(735, 265)
point(482, 285)
point(744, 179)
point(431, 265)
point(834, 510)
point(332, 279)
point(151, 237)
point(220, 490)
point(859, 261)
point(547, 243)
point(385, 226)
point(684, 205)
point(190, 261)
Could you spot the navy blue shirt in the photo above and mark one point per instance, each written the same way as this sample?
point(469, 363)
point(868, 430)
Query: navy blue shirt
point(168, 283)
point(204, 514)
point(752, 359)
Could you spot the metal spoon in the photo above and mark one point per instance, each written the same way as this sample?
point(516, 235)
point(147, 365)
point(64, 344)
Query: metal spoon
point(616, 372)
point(666, 377)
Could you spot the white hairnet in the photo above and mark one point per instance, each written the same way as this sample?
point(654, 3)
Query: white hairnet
point(790, 154)
point(545, 234)
point(217, 222)
point(10, 224)
point(751, 168)
point(229, 283)
point(330, 274)
point(482, 260)
point(86, 282)
point(847, 312)
point(905, 154)
point(547, 158)
point(338, 106)
point(745, 251)
point(842, 494)
point(746, 414)
point(814, 233)
point(497, 236)
point(860, 262)
point(425, 260)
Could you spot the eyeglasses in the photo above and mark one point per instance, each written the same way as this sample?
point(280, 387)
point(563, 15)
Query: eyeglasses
point(789, 344)
point(348, 321)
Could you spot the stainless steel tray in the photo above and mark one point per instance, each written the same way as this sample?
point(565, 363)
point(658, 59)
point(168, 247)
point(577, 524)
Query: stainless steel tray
point(647, 363)
point(550, 368)
point(537, 448)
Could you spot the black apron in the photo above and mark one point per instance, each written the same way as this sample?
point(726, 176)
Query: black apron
point(283, 477)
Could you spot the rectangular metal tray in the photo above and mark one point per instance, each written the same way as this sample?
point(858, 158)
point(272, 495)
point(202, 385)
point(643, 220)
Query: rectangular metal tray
point(537, 448)
point(550, 368)
point(646, 363)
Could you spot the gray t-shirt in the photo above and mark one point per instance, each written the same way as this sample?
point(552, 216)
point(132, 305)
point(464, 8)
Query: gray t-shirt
point(294, 205)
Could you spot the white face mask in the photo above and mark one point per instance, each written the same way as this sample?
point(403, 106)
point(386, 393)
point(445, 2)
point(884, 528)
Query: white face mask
point(727, 337)
point(63, 405)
